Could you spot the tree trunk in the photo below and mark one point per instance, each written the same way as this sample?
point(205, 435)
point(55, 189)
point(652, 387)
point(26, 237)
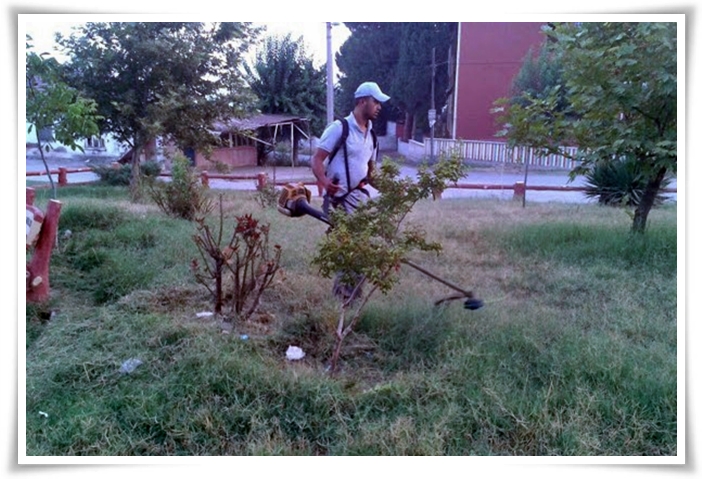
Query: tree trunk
point(219, 297)
point(135, 180)
point(646, 203)
point(46, 167)
point(295, 151)
point(408, 132)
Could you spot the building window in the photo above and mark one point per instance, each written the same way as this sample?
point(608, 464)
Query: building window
point(95, 143)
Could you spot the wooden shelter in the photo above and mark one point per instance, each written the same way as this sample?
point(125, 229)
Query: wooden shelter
point(244, 141)
point(247, 141)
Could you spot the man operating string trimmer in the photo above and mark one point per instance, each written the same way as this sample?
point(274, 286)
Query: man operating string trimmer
point(343, 166)
point(343, 163)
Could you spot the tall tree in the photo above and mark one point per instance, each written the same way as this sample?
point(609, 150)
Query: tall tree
point(412, 84)
point(539, 74)
point(370, 53)
point(52, 106)
point(398, 56)
point(285, 80)
point(620, 86)
point(157, 79)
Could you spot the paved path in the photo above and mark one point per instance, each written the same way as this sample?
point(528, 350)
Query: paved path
point(476, 176)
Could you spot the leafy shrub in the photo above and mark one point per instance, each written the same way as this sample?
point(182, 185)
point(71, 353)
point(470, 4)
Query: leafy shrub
point(370, 244)
point(119, 175)
point(266, 196)
point(184, 196)
point(619, 183)
point(282, 155)
point(218, 167)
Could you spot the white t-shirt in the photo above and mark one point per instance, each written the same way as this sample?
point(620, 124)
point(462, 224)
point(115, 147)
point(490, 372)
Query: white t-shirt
point(359, 146)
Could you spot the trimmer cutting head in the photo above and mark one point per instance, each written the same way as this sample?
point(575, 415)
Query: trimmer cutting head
point(473, 304)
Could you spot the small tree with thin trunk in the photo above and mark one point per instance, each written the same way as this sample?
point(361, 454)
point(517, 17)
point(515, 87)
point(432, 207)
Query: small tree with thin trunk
point(52, 106)
point(374, 241)
point(620, 89)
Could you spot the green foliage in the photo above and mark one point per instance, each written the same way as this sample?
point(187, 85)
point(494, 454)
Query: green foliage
point(81, 217)
point(286, 81)
point(160, 79)
point(121, 175)
point(412, 83)
point(372, 241)
point(53, 105)
point(370, 53)
point(605, 247)
point(108, 255)
point(398, 56)
point(150, 169)
point(282, 155)
point(267, 196)
point(619, 183)
point(538, 75)
point(415, 338)
point(619, 82)
point(36, 315)
point(184, 196)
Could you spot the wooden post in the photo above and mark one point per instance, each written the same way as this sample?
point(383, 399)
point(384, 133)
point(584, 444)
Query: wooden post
point(519, 191)
point(262, 180)
point(62, 177)
point(38, 267)
point(205, 179)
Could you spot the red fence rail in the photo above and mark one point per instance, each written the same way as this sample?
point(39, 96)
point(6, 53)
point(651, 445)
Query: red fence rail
point(62, 174)
point(262, 180)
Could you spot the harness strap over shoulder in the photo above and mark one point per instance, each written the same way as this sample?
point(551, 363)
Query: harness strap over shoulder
point(342, 139)
point(342, 142)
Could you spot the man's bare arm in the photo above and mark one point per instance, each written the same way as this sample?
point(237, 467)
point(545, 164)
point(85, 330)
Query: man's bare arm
point(318, 169)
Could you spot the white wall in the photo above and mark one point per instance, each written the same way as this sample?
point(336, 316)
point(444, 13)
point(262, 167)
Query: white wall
point(112, 147)
point(412, 150)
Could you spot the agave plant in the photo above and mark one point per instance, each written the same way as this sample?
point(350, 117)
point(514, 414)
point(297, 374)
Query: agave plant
point(619, 183)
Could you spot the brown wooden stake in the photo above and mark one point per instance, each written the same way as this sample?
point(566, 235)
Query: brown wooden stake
point(38, 268)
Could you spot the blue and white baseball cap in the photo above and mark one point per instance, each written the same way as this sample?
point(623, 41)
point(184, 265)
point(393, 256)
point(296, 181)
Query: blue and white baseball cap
point(370, 88)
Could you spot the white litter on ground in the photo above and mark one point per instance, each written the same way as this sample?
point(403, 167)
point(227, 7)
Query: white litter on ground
point(294, 353)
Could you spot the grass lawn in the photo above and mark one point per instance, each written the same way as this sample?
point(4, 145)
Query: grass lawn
point(573, 354)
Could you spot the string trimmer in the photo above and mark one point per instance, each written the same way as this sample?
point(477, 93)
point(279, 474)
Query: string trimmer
point(294, 201)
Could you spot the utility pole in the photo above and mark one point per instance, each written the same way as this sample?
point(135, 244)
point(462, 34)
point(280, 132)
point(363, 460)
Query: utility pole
point(432, 112)
point(330, 75)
